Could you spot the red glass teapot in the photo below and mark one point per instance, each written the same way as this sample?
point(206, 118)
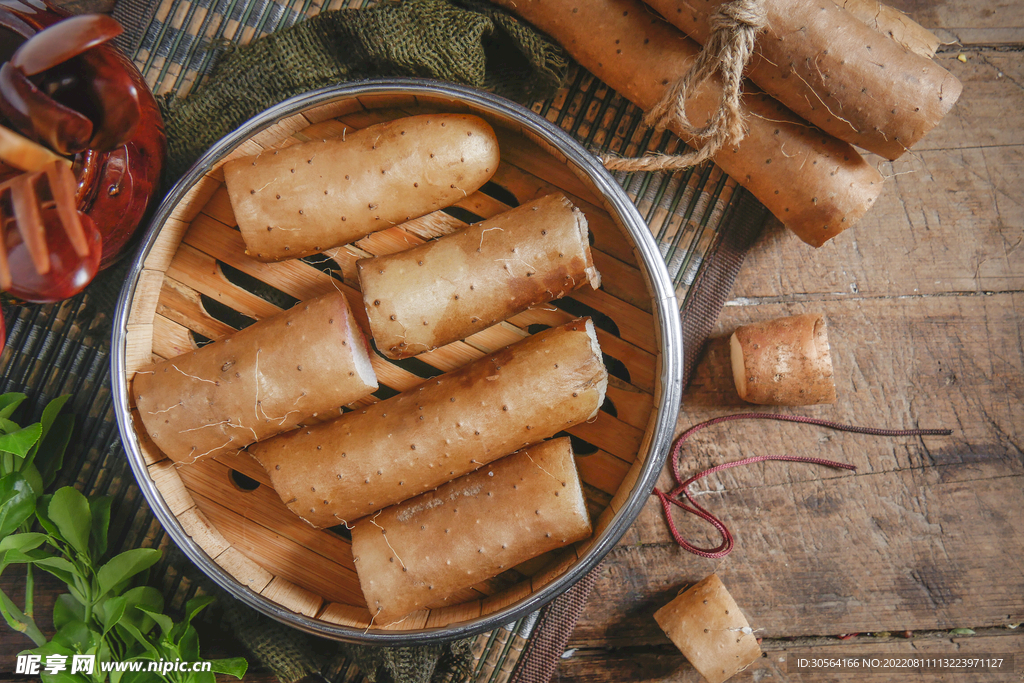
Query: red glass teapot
point(65, 87)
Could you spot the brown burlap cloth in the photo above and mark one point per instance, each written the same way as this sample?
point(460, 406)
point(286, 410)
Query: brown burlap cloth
point(702, 221)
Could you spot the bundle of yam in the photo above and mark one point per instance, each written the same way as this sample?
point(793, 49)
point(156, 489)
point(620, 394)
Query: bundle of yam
point(824, 80)
point(403, 473)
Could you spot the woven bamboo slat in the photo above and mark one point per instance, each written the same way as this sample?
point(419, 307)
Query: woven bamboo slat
point(197, 285)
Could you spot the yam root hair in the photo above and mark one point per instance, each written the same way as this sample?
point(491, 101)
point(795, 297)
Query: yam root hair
point(416, 554)
point(307, 361)
point(449, 288)
point(784, 362)
point(834, 71)
point(309, 197)
point(707, 626)
point(815, 184)
point(447, 426)
point(893, 23)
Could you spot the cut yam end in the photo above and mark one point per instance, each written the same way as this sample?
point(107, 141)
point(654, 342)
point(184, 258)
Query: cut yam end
point(784, 362)
point(707, 626)
point(593, 276)
point(602, 384)
point(360, 345)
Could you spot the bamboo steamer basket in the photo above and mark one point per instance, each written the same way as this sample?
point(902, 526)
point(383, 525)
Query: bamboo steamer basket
point(191, 283)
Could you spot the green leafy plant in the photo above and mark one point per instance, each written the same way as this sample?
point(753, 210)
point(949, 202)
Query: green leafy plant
point(108, 611)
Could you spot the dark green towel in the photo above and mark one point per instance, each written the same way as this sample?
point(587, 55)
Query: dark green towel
point(462, 41)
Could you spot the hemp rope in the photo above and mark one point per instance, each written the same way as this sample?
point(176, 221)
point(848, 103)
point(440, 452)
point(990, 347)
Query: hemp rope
point(673, 497)
point(734, 26)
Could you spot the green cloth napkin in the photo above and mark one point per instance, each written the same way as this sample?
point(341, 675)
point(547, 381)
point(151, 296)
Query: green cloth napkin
point(462, 41)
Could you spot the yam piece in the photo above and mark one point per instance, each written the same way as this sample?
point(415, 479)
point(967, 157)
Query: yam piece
point(891, 22)
point(416, 554)
point(710, 630)
point(784, 362)
point(320, 194)
point(258, 382)
point(833, 70)
point(338, 471)
point(815, 184)
point(448, 289)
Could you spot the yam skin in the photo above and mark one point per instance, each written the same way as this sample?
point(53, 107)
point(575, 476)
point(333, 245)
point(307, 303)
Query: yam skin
point(836, 72)
point(784, 362)
point(339, 471)
point(893, 23)
point(258, 382)
point(815, 184)
point(707, 626)
point(447, 289)
point(416, 554)
point(320, 194)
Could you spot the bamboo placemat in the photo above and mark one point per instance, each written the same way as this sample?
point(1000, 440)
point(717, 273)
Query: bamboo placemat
point(701, 219)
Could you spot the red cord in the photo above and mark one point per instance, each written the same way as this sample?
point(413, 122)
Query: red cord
point(682, 486)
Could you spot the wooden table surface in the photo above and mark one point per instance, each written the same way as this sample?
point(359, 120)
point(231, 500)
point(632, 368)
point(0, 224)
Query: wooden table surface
point(924, 302)
point(924, 299)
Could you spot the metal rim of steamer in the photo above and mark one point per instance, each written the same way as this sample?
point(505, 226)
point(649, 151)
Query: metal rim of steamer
point(668, 329)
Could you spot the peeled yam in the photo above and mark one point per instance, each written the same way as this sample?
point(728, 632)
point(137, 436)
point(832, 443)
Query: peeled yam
point(893, 23)
point(415, 554)
point(338, 471)
point(448, 289)
point(815, 184)
point(307, 361)
point(707, 626)
point(320, 194)
point(833, 70)
point(784, 362)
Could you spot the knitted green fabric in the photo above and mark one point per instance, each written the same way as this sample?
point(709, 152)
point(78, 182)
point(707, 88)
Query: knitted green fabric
point(463, 41)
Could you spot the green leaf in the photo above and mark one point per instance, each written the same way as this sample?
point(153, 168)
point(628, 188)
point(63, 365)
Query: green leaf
point(962, 632)
point(13, 556)
point(19, 621)
point(21, 441)
point(142, 677)
point(49, 455)
point(59, 567)
point(165, 622)
point(197, 605)
point(64, 677)
point(201, 677)
point(23, 542)
point(236, 666)
point(123, 566)
point(42, 505)
point(17, 502)
point(113, 610)
point(76, 636)
point(142, 596)
point(100, 508)
point(69, 510)
point(126, 628)
point(32, 476)
point(10, 402)
point(145, 596)
point(51, 411)
point(188, 644)
point(55, 648)
point(66, 609)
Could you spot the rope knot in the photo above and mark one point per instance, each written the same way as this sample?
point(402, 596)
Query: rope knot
point(734, 28)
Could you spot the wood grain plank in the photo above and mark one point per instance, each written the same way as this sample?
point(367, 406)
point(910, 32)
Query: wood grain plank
point(925, 535)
